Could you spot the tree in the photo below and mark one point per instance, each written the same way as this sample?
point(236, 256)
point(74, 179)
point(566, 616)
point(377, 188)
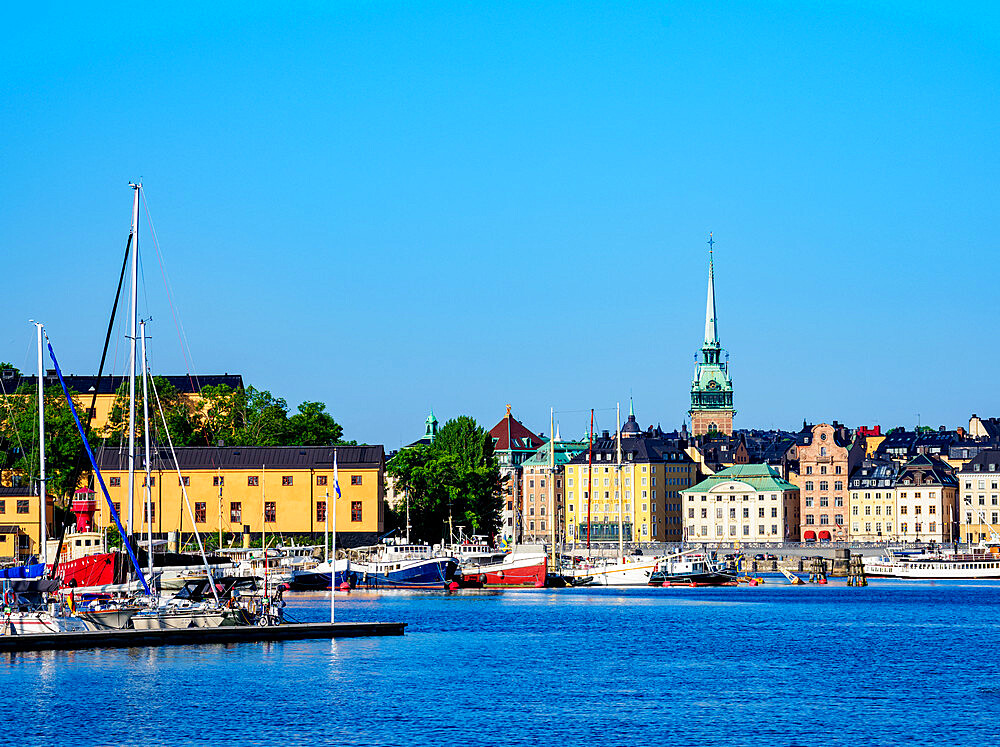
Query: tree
point(183, 419)
point(312, 425)
point(455, 480)
point(19, 437)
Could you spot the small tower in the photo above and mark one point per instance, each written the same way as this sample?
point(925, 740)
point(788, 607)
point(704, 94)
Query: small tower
point(431, 427)
point(712, 389)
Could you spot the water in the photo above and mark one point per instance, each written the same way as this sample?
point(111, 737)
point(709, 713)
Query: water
point(893, 663)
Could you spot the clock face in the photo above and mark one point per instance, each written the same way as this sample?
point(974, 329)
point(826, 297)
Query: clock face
point(822, 437)
point(713, 385)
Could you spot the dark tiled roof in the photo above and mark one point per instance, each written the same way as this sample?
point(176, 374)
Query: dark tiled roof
point(873, 473)
point(110, 384)
point(249, 457)
point(642, 449)
point(924, 469)
point(22, 492)
point(984, 461)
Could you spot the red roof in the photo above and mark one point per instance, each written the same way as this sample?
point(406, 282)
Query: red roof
point(523, 438)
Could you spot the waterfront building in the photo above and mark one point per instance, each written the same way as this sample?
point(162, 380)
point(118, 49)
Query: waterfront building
point(979, 497)
point(873, 498)
point(240, 489)
point(743, 503)
point(96, 398)
point(827, 455)
point(513, 443)
point(543, 488)
point(926, 492)
point(712, 388)
point(20, 530)
point(645, 489)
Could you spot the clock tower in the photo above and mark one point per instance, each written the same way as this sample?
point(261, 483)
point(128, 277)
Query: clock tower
point(712, 389)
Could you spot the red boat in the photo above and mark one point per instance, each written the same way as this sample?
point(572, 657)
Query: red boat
point(525, 566)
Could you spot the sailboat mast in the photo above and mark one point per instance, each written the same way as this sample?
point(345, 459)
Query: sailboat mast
point(619, 492)
point(133, 313)
point(326, 531)
point(43, 541)
point(590, 475)
point(145, 433)
point(552, 477)
point(333, 568)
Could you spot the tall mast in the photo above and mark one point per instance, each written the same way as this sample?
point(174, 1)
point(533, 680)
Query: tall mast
point(145, 435)
point(333, 568)
point(133, 313)
point(590, 475)
point(619, 492)
point(552, 478)
point(43, 551)
point(514, 485)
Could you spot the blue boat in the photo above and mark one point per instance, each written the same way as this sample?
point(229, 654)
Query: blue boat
point(405, 566)
point(318, 578)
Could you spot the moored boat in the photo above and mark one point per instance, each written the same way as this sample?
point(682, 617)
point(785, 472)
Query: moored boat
point(403, 566)
point(692, 569)
point(935, 562)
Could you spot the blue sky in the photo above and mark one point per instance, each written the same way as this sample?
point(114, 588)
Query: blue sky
point(394, 206)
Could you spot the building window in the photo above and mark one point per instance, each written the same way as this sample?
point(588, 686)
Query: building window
point(199, 512)
point(149, 512)
point(252, 481)
point(321, 479)
point(218, 481)
point(3, 507)
point(320, 510)
point(355, 510)
point(824, 485)
point(286, 481)
point(270, 511)
point(114, 482)
point(356, 479)
point(152, 482)
point(236, 512)
point(809, 470)
point(118, 508)
point(185, 481)
point(810, 519)
point(22, 506)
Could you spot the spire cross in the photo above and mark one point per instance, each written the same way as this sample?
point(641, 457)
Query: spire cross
point(711, 242)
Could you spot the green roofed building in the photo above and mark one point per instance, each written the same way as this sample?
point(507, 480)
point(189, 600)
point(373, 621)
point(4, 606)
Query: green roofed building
point(744, 503)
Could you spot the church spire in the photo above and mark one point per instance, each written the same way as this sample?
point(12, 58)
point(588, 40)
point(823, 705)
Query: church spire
point(711, 330)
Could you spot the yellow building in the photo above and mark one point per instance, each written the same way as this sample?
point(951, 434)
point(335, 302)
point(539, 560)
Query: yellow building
point(280, 489)
point(19, 527)
point(873, 501)
point(88, 390)
point(645, 489)
point(979, 497)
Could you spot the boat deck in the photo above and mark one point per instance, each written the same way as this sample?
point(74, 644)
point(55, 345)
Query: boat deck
point(193, 636)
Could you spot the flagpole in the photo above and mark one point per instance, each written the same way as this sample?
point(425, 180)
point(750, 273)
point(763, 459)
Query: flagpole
point(333, 569)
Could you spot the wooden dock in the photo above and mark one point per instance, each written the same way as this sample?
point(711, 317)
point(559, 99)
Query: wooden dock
point(193, 636)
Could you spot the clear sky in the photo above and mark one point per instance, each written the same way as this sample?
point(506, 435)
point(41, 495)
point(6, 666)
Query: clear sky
point(394, 206)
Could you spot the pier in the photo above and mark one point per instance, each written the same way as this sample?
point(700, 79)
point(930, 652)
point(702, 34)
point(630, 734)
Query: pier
point(194, 636)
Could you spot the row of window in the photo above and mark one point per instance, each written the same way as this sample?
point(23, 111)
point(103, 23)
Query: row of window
point(838, 519)
point(822, 469)
point(219, 481)
point(235, 511)
point(720, 531)
point(825, 485)
point(825, 500)
point(732, 513)
point(22, 506)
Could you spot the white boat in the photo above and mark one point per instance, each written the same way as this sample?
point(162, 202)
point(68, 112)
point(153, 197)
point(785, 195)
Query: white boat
point(39, 621)
point(628, 571)
point(403, 566)
point(980, 562)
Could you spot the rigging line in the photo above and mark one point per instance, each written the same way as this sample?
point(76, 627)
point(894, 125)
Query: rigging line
point(181, 335)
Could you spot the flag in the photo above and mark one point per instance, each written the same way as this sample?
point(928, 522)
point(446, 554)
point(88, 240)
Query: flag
point(336, 481)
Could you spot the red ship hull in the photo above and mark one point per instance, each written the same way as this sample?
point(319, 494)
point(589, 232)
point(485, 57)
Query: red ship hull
point(527, 572)
point(90, 570)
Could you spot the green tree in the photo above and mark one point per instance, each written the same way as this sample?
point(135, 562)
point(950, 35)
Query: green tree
point(182, 416)
point(19, 437)
point(312, 425)
point(456, 478)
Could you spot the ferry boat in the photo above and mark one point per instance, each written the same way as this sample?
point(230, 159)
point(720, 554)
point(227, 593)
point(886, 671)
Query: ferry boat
point(980, 562)
point(690, 568)
point(403, 566)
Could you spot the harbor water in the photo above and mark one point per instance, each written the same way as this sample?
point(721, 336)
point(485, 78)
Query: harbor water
point(891, 663)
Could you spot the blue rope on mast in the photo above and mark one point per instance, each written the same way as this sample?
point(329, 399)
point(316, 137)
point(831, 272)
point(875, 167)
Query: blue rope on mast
point(100, 478)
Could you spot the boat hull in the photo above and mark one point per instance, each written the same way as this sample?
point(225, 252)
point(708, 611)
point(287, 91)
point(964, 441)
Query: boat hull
point(118, 619)
point(434, 573)
point(708, 578)
point(529, 572)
